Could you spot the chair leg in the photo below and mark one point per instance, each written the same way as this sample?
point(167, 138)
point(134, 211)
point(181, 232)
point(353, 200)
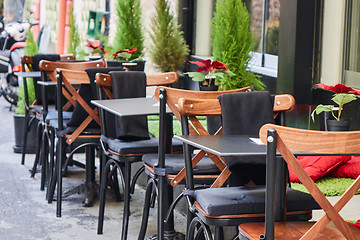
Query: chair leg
point(52, 173)
point(44, 159)
point(219, 233)
point(127, 179)
point(24, 140)
point(39, 130)
point(103, 186)
point(203, 230)
point(151, 184)
point(135, 178)
point(60, 157)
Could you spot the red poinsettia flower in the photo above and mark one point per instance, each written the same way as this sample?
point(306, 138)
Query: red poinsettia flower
point(129, 51)
point(339, 88)
point(208, 66)
point(219, 65)
point(204, 65)
point(90, 45)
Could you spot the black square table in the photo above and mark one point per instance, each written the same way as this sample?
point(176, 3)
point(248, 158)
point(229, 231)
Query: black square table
point(28, 74)
point(130, 106)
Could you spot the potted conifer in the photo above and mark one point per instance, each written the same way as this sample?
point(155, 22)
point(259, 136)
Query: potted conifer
point(168, 50)
point(129, 34)
point(31, 48)
point(232, 42)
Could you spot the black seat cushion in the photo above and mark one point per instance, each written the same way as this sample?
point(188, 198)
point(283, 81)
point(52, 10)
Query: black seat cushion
point(54, 123)
point(53, 115)
point(132, 147)
point(247, 200)
point(244, 114)
point(145, 146)
point(175, 162)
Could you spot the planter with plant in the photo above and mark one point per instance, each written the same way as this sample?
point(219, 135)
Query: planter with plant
point(232, 42)
point(168, 50)
point(129, 35)
point(31, 48)
point(209, 73)
point(343, 95)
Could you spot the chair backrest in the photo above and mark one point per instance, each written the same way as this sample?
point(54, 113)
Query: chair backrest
point(136, 82)
point(162, 79)
point(48, 70)
point(28, 60)
point(287, 140)
point(49, 67)
point(192, 107)
point(173, 98)
point(67, 79)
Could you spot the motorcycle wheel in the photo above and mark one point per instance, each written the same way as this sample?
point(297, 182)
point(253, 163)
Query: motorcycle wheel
point(10, 88)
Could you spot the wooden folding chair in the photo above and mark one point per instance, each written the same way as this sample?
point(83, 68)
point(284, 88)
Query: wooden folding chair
point(87, 135)
point(287, 141)
point(27, 62)
point(48, 72)
point(232, 210)
point(119, 160)
point(174, 162)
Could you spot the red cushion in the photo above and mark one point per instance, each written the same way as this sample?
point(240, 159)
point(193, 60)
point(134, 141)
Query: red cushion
point(318, 166)
point(357, 224)
point(350, 169)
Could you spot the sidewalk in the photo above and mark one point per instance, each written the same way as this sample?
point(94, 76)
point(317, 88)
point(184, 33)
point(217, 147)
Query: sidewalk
point(26, 215)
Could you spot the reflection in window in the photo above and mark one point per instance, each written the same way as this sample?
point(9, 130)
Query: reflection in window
point(265, 16)
point(354, 37)
point(352, 58)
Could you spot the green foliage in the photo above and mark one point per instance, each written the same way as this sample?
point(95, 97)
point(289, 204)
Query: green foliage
point(168, 50)
point(129, 29)
point(202, 76)
point(107, 47)
point(340, 99)
point(74, 38)
point(272, 37)
point(232, 42)
point(20, 107)
point(31, 48)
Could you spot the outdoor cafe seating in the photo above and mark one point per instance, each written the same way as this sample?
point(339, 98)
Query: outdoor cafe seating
point(82, 129)
point(288, 140)
point(239, 203)
point(126, 139)
point(228, 199)
point(31, 63)
point(173, 170)
point(47, 135)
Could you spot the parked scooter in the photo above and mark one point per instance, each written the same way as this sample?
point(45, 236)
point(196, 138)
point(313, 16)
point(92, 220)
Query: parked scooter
point(13, 41)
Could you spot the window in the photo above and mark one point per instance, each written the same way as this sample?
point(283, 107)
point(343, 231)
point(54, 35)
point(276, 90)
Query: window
point(352, 47)
point(264, 18)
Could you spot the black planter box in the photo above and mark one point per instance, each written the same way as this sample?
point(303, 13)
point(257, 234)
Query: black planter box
point(19, 132)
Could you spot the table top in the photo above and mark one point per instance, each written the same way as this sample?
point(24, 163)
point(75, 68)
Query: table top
point(130, 106)
point(47, 83)
point(226, 145)
point(28, 74)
